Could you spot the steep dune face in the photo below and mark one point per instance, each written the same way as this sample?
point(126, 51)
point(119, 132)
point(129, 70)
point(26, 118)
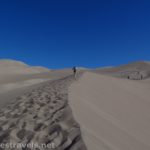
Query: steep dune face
point(113, 113)
point(133, 70)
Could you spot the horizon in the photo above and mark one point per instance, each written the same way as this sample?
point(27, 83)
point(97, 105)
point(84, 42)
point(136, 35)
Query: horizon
point(140, 61)
point(82, 33)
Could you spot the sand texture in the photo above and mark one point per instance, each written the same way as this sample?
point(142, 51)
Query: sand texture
point(113, 113)
point(104, 109)
point(43, 116)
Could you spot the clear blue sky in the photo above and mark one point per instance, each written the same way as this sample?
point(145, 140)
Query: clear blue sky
point(60, 33)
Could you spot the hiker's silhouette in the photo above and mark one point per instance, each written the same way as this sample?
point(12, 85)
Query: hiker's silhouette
point(74, 71)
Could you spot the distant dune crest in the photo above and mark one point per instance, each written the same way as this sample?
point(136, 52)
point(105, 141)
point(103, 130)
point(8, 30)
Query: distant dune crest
point(134, 70)
point(10, 62)
point(8, 67)
point(113, 113)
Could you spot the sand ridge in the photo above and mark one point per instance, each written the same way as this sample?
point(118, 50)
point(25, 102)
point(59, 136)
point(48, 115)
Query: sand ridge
point(42, 115)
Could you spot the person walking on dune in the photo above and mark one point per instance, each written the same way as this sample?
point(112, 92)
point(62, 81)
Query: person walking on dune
point(74, 71)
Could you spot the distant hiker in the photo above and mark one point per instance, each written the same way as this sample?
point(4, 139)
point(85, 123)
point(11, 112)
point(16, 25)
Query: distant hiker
point(140, 75)
point(74, 71)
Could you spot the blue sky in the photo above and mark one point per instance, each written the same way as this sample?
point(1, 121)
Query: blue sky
point(64, 33)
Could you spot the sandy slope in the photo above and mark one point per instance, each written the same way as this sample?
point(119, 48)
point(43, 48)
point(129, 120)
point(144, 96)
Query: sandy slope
point(8, 66)
point(34, 107)
point(114, 114)
point(133, 70)
point(42, 116)
point(17, 77)
point(16, 74)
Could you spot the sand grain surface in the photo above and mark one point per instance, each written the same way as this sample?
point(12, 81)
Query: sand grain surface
point(113, 113)
point(42, 116)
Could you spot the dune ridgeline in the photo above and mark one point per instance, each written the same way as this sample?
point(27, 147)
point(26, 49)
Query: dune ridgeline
point(104, 109)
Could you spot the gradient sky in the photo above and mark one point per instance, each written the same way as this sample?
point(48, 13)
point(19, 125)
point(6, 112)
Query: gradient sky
point(64, 33)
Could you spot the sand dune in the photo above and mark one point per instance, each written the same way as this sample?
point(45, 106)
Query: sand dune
point(11, 71)
point(17, 77)
point(42, 116)
point(9, 67)
point(11, 86)
point(34, 108)
point(113, 113)
point(133, 70)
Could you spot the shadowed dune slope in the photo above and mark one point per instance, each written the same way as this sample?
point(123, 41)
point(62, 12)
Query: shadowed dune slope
point(114, 113)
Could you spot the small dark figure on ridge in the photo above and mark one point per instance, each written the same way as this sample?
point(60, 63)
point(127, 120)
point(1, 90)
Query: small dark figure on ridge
point(74, 71)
